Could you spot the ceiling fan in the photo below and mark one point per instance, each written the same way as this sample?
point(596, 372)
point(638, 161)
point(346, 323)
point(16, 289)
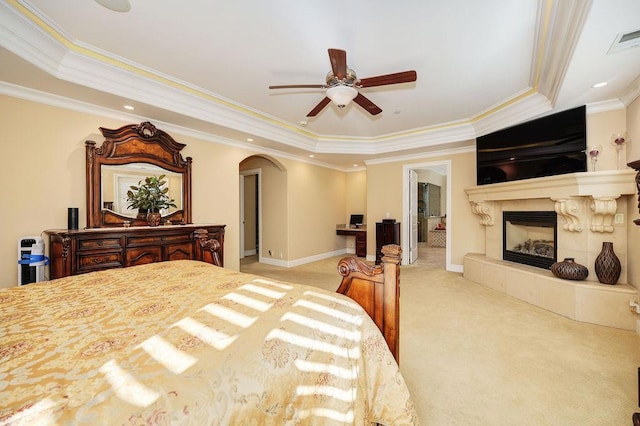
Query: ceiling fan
point(342, 85)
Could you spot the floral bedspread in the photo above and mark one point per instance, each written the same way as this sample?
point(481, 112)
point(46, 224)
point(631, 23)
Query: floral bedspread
point(186, 342)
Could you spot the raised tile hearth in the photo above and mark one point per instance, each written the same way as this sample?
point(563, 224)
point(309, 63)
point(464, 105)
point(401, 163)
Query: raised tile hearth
point(590, 209)
point(584, 301)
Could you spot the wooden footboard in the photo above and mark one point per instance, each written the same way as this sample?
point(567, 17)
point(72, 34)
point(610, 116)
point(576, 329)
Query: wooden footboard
point(377, 289)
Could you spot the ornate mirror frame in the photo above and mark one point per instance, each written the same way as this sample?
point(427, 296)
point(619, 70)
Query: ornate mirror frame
point(134, 143)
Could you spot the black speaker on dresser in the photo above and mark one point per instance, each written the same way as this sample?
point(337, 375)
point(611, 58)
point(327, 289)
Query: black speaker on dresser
point(72, 218)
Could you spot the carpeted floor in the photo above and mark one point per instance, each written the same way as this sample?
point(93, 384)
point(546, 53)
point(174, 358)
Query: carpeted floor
point(474, 356)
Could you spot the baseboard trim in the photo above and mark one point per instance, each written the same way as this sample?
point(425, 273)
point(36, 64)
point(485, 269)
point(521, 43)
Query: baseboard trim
point(301, 261)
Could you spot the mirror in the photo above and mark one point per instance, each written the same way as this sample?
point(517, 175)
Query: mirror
point(117, 180)
point(127, 156)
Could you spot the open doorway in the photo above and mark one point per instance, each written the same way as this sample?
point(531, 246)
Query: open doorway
point(263, 211)
point(427, 210)
point(250, 217)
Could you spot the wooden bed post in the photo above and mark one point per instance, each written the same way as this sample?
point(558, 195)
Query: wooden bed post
point(391, 257)
point(377, 289)
point(207, 249)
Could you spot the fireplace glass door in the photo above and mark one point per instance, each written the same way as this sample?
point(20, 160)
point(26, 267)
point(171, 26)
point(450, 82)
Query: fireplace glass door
point(530, 238)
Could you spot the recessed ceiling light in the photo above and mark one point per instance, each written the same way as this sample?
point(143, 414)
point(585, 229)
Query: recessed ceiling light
point(601, 84)
point(115, 5)
point(311, 155)
point(355, 165)
point(129, 107)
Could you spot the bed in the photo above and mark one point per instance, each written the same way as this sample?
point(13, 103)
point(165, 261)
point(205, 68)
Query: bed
point(187, 342)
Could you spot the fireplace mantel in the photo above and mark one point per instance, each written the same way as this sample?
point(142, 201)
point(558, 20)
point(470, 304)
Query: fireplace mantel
point(600, 188)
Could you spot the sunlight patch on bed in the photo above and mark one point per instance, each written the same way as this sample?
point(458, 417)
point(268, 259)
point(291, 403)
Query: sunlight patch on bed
point(229, 315)
point(127, 387)
point(208, 335)
point(273, 283)
point(346, 395)
point(344, 316)
point(334, 370)
point(327, 413)
point(36, 414)
point(322, 326)
point(172, 358)
point(333, 299)
point(248, 302)
point(316, 345)
point(263, 291)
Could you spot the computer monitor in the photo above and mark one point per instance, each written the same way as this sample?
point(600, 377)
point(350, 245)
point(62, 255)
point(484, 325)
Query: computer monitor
point(356, 219)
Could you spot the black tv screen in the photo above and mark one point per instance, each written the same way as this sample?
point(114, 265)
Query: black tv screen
point(551, 145)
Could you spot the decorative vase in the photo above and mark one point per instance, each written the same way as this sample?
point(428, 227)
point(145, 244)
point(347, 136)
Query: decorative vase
point(568, 269)
point(607, 265)
point(153, 218)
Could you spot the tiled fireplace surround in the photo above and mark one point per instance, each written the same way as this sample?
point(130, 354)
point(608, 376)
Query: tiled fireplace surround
point(586, 205)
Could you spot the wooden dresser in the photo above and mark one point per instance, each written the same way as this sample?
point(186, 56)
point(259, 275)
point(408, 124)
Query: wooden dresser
point(75, 252)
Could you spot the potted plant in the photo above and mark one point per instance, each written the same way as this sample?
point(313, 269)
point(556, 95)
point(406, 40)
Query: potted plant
point(150, 196)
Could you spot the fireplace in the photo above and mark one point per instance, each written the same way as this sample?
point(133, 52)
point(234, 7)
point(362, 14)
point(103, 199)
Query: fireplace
point(529, 237)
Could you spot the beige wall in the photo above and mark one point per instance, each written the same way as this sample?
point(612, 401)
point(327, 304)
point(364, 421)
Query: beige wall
point(304, 202)
point(44, 173)
point(317, 202)
point(600, 127)
point(384, 194)
point(357, 195)
point(633, 236)
point(47, 157)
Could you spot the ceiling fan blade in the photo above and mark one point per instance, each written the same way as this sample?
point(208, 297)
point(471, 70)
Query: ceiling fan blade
point(299, 86)
point(323, 103)
point(383, 80)
point(365, 103)
point(338, 60)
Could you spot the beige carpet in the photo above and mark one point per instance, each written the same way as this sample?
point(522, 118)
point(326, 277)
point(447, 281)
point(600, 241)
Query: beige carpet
point(473, 356)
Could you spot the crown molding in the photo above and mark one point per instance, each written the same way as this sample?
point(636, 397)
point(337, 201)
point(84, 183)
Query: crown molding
point(522, 107)
point(422, 155)
point(32, 37)
point(559, 25)
point(421, 138)
point(604, 106)
point(631, 93)
point(27, 34)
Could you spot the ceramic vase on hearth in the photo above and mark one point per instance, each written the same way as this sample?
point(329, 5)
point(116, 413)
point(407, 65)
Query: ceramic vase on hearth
point(568, 269)
point(607, 265)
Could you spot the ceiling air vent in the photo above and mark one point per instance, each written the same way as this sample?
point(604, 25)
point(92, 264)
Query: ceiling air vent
point(625, 41)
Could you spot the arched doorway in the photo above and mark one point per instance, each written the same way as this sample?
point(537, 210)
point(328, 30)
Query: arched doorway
point(263, 202)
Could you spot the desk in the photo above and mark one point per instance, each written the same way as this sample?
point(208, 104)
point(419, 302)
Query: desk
point(361, 238)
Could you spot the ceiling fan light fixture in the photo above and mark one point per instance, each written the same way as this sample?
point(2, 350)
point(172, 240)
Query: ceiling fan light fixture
point(341, 95)
point(115, 5)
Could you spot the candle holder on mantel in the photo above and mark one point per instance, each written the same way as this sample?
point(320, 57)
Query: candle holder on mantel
point(619, 140)
point(594, 152)
point(635, 165)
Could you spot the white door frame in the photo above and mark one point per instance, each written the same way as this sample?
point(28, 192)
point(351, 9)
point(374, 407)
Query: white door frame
point(243, 174)
point(406, 213)
point(413, 215)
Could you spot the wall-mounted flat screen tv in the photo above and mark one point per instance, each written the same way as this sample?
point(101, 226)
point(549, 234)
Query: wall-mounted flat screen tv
point(551, 145)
